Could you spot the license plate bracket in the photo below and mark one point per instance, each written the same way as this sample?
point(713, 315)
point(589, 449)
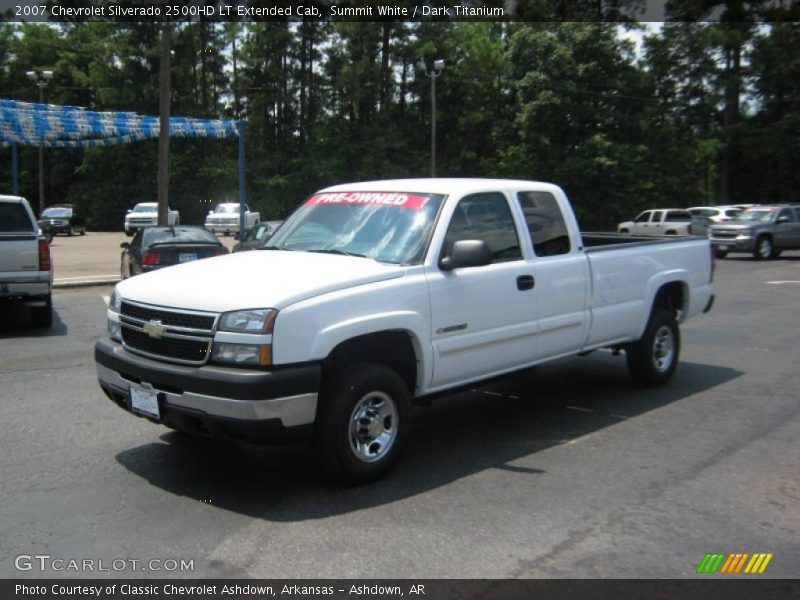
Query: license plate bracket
point(145, 402)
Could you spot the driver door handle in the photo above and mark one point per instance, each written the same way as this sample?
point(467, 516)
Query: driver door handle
point(525, 282)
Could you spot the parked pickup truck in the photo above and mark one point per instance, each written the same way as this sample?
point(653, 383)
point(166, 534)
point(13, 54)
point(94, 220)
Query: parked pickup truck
point(665, 221)
point(225, 218)
point(26, 273)
point(765, 231)
point(372, 295)
point(145, 214)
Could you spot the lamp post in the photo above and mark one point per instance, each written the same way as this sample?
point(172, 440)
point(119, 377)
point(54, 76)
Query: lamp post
point(433, 74)
point(41, 78)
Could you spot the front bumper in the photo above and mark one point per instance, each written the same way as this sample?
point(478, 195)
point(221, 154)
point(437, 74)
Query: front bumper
point(248, 405)
point(733, 244)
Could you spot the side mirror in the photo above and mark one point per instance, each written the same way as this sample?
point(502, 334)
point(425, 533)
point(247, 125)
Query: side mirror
point(124, 245)
point(467, 253)
point(129, 210)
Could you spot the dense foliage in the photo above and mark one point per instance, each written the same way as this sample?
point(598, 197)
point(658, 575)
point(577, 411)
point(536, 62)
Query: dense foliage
point(701, 113)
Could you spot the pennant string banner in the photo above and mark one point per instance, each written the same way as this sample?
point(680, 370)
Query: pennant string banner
point(54, 126)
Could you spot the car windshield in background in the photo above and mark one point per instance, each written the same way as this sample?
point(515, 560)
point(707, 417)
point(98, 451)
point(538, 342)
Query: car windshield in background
point(392, 227)
point(178, 235)
point(227, 208)
point(57, 213)
point(761, 215)
point(145, 208)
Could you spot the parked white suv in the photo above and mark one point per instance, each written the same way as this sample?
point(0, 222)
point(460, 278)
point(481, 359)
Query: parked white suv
point(26, 272)
point(145, 214)
point(716, 214)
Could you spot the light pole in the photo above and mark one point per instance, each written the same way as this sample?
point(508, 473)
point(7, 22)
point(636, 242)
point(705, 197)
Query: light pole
point(41, 78)
point(438, 67)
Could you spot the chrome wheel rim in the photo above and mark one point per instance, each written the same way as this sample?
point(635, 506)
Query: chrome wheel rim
point(663, 349)
point(764, 248)
point(373, 426)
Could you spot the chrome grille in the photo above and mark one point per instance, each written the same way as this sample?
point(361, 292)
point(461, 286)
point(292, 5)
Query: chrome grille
point(185, 337)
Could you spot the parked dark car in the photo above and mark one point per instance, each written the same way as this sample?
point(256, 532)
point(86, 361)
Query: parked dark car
point(157, 247)
point(62, 218)
point(256, 236)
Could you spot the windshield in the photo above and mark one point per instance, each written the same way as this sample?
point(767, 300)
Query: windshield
point(392, 227)
point(145, 208)
point(762, 215)
point(57, 212)
point(227, 208)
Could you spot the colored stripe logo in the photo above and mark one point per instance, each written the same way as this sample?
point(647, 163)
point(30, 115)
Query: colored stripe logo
point(738, 562)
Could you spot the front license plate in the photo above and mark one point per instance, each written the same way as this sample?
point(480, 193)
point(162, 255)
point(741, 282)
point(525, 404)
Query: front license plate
point(187, 256)
point(145, 401)
point(723, 247)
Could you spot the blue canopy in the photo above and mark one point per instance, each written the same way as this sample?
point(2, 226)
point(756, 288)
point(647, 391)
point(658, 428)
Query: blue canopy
point(54, 126)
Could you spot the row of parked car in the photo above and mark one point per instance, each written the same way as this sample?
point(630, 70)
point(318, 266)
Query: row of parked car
point(763, 230)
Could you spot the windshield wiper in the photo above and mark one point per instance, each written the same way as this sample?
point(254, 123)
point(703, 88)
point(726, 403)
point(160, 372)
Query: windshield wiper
point(274, 248)
point(338, 251)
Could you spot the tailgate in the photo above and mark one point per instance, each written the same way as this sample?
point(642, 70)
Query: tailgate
point(18, 253)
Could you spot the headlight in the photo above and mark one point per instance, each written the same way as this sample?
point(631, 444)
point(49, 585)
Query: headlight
point(114, 302)
point(744, 234)
point(248, 321)
point(242, 354)
point(114, 328)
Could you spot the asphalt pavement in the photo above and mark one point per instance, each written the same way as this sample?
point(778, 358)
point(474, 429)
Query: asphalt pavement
point(567, 470)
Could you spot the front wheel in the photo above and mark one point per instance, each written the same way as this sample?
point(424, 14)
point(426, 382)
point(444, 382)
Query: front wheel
point(653, 359)
point(720, 253)
point(363, 422)
point(764, 249)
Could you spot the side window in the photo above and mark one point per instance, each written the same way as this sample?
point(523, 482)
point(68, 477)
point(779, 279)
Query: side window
point(485, 217)
point(656, 218)
point(786, 213)
point(642, 218)
point(677, 216)
point(546, 225)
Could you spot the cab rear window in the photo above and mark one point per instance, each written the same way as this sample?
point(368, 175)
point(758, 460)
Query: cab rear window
point(14, 218)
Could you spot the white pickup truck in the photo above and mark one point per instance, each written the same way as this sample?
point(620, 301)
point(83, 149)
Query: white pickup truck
point(26, 273)
point(225, 218)
point(373, 295)
point(145, 214)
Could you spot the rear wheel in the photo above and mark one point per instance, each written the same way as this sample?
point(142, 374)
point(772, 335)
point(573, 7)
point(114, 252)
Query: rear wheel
point(653, 359)
point(764, 249)
point(42, 316)
point(363, 422)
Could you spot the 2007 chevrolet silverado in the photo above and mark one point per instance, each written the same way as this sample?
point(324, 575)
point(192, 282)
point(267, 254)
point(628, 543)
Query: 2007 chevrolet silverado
point(374, 294)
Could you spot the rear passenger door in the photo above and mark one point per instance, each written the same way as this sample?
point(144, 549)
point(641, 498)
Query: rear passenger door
point(483, 319)
point(786, 229)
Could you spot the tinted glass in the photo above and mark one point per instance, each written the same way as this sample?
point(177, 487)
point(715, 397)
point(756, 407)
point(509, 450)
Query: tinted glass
point(180, 235)
point(485, 217)
point(656, 218)
point(642, 218)
point(14, 218)
point(546, 224)
point(786, 213)
point(678, 215)
point(57, 212)
point(145, 208)
point(732, 213)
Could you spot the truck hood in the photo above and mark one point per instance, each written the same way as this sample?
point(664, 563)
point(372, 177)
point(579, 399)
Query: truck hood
point(148, 215)
point(734, 225)
point(259, 279)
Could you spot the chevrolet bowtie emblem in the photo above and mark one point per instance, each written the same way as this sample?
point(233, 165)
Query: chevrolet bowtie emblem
point(154, 329)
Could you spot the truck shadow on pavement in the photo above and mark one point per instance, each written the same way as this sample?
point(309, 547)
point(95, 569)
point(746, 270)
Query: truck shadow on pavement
point(502, 425)
point(15, 322)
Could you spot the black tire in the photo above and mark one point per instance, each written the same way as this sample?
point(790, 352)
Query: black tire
point(122, 269)
point(720, 253)
point(129, 233)
point(625, 231)
point(764, 250)
point(672, 232)
point(42, 316)
point(359, 449)
point(653, 359)
point(49, 237)
point(71, 231)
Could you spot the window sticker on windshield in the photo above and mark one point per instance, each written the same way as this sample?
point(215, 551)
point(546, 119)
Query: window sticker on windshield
point(396, 199)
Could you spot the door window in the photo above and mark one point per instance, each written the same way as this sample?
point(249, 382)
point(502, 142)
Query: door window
point(642, 218)
point(486, 217)
point(656, 218)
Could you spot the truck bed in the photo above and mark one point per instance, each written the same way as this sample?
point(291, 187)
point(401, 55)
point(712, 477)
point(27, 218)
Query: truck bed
point(600, 240)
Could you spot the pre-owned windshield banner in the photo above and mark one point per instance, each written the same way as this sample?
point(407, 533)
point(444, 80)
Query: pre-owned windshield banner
point(396, 199)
